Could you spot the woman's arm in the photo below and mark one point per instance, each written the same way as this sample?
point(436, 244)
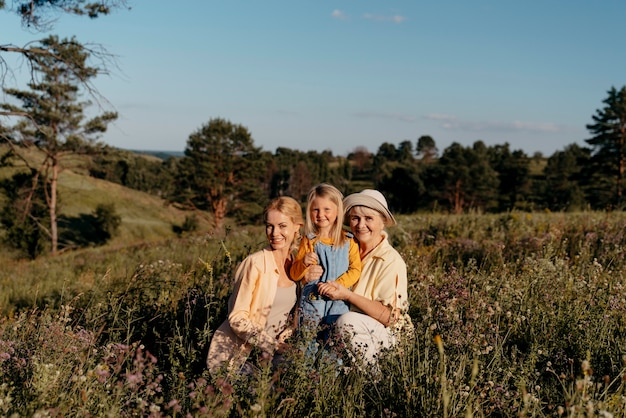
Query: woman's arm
point(245, 322)
point(372, 308)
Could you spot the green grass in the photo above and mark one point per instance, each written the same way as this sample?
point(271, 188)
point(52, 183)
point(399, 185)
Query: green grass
point(516, 315)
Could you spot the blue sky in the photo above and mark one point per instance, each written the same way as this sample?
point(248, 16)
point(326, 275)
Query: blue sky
point(336, 75)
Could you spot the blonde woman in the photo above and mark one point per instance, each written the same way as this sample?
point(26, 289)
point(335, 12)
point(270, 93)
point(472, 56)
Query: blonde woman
point(260, 309)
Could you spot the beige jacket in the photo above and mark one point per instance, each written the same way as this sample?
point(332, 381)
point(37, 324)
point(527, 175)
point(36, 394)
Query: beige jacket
point(249, 305)
point(384, 278)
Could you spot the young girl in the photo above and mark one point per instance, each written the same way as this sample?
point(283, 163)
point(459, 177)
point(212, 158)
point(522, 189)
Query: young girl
point(327, 244)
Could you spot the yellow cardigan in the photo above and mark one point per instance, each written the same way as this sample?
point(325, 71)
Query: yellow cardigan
point(347, 279)
point(256, 280)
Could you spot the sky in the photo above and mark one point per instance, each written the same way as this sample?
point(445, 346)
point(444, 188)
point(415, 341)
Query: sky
point(322, 75)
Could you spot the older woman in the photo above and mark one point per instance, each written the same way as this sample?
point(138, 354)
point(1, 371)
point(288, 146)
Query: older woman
point(263, 297)
point(379, 300)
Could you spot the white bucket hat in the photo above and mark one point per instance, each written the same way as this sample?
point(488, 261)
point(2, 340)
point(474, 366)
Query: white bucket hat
point(372, 199)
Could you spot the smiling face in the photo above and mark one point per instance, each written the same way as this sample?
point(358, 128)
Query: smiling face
point(323, 212)
point(366, 224)
point(280, 230)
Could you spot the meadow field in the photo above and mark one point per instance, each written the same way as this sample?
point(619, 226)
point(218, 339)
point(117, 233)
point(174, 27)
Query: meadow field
point(516, 315)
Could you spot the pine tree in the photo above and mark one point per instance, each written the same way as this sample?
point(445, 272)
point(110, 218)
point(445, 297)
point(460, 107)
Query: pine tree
point(220, 171)
point(52, 118)
point(609, 139)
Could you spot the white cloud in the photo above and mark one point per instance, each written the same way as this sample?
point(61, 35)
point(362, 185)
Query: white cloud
point(382, 18)
point(452, 123)
point(338, 14)
point(380, 115)
point(438, 116)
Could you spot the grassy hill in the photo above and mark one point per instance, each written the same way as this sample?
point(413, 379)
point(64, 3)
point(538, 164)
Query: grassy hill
point(144, 217)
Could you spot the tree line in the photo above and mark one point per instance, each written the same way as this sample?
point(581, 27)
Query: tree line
point(223, 172)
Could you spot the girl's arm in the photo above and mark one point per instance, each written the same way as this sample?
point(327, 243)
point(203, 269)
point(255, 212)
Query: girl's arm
point(351, 276)
point(300, 264)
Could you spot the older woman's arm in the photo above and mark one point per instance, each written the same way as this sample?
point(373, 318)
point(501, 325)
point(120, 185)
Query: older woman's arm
point(372, 308)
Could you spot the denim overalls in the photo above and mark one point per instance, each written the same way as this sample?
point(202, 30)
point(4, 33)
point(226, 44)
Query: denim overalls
point(316, 309)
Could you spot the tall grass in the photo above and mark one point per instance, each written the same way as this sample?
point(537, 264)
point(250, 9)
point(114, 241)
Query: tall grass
point(516, 315)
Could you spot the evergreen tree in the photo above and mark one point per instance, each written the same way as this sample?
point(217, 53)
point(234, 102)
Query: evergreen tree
point(564, 178)
point(403, 188)
point(609, 140)
point(426, 148)
point(39, 16)
point(221, 170)
point(24, 214)
point(405, 152)
point(52, 117)
point(466, 180)
point(514, 176)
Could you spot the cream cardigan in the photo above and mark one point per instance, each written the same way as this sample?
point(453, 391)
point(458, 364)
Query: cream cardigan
point(256, 280)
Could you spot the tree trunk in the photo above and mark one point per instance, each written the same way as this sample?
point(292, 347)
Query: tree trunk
point(620, 175)
point(458, 197)
point(219, 212)
point(53, 206)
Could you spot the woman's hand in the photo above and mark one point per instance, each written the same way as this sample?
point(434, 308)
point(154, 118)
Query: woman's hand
point(282, 347)
point(333, 290)
point(313, 273)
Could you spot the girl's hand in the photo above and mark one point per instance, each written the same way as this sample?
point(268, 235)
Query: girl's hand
point(334, 291)
point(313, 273)
point(310, 259)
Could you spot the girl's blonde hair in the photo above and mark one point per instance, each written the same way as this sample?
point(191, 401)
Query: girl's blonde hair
point(289, 207)
point(330, 192)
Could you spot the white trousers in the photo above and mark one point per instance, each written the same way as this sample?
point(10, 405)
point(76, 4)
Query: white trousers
point(366, 336)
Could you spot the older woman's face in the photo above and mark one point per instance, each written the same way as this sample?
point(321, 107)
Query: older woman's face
point(366, 224)
point(280, 229)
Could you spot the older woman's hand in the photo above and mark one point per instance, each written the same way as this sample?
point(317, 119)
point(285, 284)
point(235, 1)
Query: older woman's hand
point(313, 273)
point(333, 290)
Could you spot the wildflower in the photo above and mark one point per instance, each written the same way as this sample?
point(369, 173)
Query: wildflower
point(174, 405)
point(133, 378)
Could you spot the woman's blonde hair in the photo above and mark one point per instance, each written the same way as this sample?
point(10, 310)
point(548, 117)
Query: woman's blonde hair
point(289, 207)
point(330, 192)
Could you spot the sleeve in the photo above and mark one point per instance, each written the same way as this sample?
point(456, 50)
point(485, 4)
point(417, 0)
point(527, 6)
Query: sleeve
point(391, 285)
point(298, 269)
point(243, 299)
point(351, 276)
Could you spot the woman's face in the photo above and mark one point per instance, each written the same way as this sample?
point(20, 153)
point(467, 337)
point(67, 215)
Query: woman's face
point(366, 224)
point(280, 230)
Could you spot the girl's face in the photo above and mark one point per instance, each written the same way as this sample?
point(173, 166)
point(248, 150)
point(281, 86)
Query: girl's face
point(280, 230)
point(323, 213)
point(366, 224)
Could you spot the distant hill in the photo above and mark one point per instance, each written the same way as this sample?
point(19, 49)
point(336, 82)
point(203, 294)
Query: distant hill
point(164, 155)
